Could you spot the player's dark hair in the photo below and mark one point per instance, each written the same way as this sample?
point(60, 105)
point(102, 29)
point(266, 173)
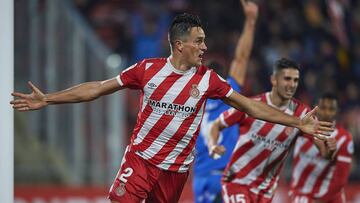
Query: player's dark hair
point(285, 64)
point(329, 95)
point(181, 26)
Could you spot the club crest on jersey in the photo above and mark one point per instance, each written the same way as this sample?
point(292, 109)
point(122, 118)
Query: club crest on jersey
point(120, 190)
point(194, 91)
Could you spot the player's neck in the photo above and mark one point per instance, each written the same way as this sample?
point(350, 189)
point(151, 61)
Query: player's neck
point(277, 100)
point(178, 63)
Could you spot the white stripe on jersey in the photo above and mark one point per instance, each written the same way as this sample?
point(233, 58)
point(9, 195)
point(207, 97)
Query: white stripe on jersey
point(187, 162)
point(243, 139)
point(172, 127)
point(302, 163)
point(154, 116)
point(119, 80)
point(319, 163)
point(344, 159)
point(170, 159)
point(325, 184)
point(258, 148)
point(270, 192)
point(314, 175)
point(275, 131)
point(299, 144)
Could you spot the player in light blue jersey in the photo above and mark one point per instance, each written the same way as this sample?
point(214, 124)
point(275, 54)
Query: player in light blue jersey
point(208, 171)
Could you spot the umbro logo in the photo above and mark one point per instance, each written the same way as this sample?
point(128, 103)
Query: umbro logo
point(152, 85)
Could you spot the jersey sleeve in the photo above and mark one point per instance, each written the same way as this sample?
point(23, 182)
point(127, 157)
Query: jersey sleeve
point(231, 117)
point(342, 169)
point(346, 151)
point(218, 87)
point(132, 77)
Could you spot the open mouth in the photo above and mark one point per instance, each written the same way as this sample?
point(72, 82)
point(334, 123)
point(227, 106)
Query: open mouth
point(201, 56)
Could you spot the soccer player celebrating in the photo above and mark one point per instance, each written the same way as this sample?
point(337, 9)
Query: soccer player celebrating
point(208, 171)
point(173, 95)
point(315, 178)
point(252, 174)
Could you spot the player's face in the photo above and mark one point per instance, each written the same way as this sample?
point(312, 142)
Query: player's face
point(285, 82)
point(327, 110)
point(194, 47)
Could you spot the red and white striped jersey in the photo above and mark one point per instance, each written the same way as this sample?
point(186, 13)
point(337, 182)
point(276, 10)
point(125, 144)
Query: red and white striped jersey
point(319, 177)
point(261, 148)
point(171, 109)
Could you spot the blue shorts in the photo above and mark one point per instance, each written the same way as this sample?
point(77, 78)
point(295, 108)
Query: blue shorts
point(207, 189)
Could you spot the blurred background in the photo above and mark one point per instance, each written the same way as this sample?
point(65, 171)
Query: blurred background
point(71, 153)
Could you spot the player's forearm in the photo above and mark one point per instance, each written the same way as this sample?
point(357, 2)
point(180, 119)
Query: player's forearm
point(80, 93)
point(242, 52)
point(265, 112)
point(215, 129)
point(261, 111)
point(321, 146)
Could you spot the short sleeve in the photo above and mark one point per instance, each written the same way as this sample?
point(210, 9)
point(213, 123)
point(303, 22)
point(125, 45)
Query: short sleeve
point(218, 87)
point(132, 76)
point(231, 117)
point(346, 151)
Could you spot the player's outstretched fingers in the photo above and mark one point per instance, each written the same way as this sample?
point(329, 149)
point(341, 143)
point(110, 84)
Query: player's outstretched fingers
point(33, 87)
point(313, 111)
point(18, 94)
point(18, 101)
point(325, 127)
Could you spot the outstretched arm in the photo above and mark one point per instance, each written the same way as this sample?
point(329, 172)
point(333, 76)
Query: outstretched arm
point(244, 45)
point(262, 111)
point(80, 93)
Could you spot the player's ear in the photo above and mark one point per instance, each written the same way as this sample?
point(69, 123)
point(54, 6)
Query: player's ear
point(179, 45)
point(273, 79)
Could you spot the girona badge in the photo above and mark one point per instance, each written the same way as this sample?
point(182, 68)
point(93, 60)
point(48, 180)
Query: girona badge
point(194, 91)
point(120, 190)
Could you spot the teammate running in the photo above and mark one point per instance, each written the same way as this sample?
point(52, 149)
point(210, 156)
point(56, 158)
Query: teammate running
point(173, 95)
point(252, 174)
point(208, 171)
point(315, 178)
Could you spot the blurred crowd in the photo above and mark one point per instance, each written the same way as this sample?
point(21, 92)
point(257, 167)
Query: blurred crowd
point(321, 35)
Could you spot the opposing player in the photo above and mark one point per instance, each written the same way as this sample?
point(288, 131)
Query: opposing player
point(208, 171)
point(319, 179)
point(253, 171)
point(173, 95)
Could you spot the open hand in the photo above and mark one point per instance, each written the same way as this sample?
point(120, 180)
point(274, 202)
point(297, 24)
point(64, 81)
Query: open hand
point(311, 126)
point(250, 9)
point(27, 102)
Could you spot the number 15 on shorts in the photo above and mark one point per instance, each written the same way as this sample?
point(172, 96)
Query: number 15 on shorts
point(237, 198)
